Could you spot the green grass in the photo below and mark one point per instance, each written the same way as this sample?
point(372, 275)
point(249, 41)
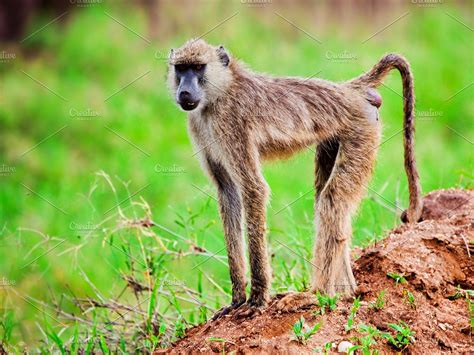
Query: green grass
point(67, 226)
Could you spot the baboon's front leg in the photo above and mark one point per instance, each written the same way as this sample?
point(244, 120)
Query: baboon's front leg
point(254, 198)
point(254, 191)
point(335, 204)
point(230, 208)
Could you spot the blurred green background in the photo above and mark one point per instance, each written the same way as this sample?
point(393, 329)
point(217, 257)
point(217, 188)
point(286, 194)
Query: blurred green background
point(89, 134)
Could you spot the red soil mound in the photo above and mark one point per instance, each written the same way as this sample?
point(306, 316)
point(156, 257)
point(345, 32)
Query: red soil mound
point(434, 256)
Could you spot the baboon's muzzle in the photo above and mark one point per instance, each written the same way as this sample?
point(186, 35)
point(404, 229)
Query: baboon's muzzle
point(187, 101)
point(189, 93)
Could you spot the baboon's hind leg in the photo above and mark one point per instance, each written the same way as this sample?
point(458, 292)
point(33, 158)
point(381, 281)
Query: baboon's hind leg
point(326, 153)
point(335, 203)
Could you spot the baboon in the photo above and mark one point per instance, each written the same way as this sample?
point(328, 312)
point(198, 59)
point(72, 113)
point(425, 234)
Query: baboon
point(238, 118)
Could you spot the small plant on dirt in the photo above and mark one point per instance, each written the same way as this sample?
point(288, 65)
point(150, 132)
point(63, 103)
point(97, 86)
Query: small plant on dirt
point(379, 302)
point(180, 328)
point(326, 302)
point(397, 277)
point(366, 342)
point(355, 307)
point(403, 335)
point(468, 295)
point(461, 293)
point(302, 332)
point(325, 349)
point(409, 298)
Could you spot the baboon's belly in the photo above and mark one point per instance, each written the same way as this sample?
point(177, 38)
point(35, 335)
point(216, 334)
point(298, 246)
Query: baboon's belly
point(279, 144)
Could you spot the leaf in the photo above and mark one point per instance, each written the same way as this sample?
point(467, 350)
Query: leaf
point(54, 337)
point(151, 306)
point(103, 344)
point(90, 344)
point(75, 340)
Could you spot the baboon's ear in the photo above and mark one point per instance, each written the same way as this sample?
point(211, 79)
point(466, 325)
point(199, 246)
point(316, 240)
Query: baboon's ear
point(171, 54)
point(223, 56)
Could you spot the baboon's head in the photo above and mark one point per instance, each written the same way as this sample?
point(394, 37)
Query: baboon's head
point(198, 73)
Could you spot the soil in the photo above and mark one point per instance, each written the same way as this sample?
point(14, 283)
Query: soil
point(435, 258)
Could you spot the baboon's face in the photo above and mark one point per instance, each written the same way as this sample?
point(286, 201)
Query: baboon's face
point(189, 78)
point(198, 74)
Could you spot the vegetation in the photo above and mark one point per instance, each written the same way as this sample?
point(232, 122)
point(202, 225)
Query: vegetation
point(367, 342)
point(326, 302)
point(325, 349)
point(403, 335)
point(302, 332)
point(468, 295)
point(350, 320)
point(110, 234)
point(409, 298)
point(379, 302)
point(397, 277)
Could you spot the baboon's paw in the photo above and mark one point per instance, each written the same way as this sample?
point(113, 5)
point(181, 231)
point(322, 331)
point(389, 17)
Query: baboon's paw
point(294, 301)
point(226, 310)
point(248, 310)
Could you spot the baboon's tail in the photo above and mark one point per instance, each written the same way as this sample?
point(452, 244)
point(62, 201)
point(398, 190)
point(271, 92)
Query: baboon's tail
point(373, 79)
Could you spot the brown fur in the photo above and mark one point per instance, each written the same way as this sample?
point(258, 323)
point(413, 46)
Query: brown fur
point(246, 118)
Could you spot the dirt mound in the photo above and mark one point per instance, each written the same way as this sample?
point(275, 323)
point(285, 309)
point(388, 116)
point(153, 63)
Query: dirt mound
point(432, 262)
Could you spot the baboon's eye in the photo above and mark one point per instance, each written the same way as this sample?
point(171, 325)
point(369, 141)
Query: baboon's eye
point(180, 67)
point(198, 67)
